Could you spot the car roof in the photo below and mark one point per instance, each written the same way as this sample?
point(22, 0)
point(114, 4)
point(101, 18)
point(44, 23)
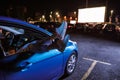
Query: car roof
point(23, 24)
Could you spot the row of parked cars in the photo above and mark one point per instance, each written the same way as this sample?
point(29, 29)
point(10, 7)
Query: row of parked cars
point(111, 30)
point(50, 26)
point(108, 30)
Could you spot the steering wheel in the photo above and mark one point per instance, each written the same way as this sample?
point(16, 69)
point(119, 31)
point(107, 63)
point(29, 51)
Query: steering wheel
point(9, 37)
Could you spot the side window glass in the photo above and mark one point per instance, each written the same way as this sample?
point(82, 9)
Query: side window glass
point(9, 43)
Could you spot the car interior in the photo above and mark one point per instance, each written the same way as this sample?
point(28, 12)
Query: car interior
point(12, 43)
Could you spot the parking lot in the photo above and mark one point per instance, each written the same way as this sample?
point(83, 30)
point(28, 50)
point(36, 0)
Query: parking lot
point(98, 58)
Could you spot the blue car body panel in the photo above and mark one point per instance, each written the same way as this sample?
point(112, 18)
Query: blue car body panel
point(47, 65)
point(45, 69)
point(1, 75)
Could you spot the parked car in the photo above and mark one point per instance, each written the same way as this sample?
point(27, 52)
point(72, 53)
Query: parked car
point(118, 32)
point(50, 26)
point(84, 27)
point(71, 26)
point(79, 27)
point(109, 30)
point(98, 29)
point(28, 52)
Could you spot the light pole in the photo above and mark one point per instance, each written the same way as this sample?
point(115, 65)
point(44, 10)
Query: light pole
point(86, 3)
point(111, 15)
point(111, 12)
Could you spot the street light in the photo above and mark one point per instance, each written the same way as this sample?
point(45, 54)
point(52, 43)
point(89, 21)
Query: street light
point(111, 15)
point(74, 12)
point(65, 18)
point(57, 13)
point(51, 12)
point(43, 16)
point(111, 12)
point(57, 17)
point(50, 16)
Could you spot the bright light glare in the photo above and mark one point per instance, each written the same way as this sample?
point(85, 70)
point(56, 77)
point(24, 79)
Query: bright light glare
point(96, 14)
point(72, 22)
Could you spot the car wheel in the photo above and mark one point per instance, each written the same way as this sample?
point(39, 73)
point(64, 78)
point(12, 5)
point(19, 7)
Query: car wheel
point(71, 64)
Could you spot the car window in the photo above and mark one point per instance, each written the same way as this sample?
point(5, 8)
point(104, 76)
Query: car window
point(14, 39)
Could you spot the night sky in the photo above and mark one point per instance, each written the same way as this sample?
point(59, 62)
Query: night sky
point(64, 5)
point(43, 4)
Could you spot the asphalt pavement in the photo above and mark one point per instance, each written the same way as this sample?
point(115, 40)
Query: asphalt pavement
point(99, 59)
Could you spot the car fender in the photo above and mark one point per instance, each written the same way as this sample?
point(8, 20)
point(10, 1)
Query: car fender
point(70, 48)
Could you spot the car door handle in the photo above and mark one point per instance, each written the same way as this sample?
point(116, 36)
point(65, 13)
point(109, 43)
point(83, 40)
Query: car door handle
point(25, 66)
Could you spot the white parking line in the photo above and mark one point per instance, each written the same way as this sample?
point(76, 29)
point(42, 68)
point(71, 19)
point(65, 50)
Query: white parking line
point(89, 70)
point(97, 61)
point(92, 67)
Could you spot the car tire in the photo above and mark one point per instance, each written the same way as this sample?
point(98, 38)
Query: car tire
point(71, 64)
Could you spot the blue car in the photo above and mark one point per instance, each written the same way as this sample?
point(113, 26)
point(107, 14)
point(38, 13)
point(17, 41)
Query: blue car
point(29, 52)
